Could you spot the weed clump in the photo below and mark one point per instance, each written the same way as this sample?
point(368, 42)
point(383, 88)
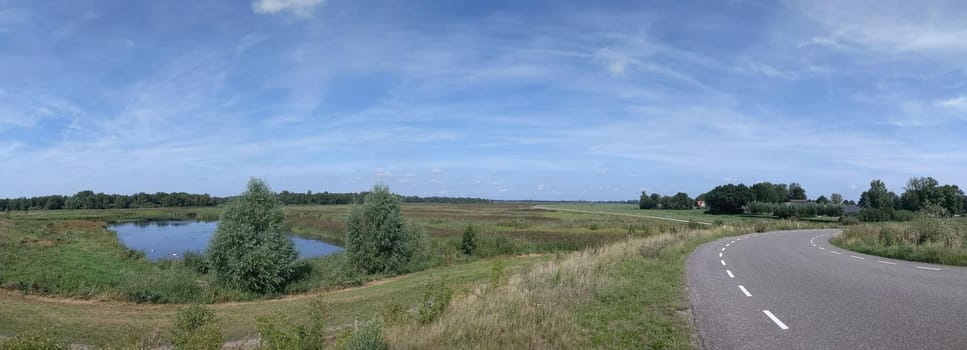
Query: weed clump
point(196, 329)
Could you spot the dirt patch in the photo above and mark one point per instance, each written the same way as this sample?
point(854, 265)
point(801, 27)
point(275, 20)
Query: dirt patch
point(42, 243)
point(83, 225)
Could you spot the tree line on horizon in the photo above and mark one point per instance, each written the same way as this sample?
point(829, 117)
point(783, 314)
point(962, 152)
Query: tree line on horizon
point(923, 194)
point(90, 200)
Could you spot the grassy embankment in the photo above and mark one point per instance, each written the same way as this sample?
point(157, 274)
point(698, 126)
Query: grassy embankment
point(629, 293)
point(932, 240)
point(72, 254)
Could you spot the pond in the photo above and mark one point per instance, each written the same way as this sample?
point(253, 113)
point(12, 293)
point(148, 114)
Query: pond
point(170, 239)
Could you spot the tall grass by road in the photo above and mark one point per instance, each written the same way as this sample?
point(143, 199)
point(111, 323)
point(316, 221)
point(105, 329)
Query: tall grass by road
point(926, 239)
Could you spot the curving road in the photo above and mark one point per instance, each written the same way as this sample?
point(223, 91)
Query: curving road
point(793, 290)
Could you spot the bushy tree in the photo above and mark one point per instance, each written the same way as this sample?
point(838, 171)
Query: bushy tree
point(767, 192)
point(877, 197)
point(680, 201)
point(377, 238)
point(796, 192)
point(822, 200)
point(728, 199)
point(251, 250)
point(836, 198)
point(646, 202)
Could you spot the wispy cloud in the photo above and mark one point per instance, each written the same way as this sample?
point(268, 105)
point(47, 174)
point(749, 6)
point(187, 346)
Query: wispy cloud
point(505, 103)
point(298, 8)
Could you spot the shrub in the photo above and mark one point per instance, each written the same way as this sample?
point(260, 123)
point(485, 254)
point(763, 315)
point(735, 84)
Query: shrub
point(436, 298)
point(849, 220)
point(196, 329)
point(251, 250)
point(33, 340)
point(469, 242)
point(195, 261)
point(377, 238)
point(874, 215)
point(903, 215)
point(368, 336)
point(281, 333)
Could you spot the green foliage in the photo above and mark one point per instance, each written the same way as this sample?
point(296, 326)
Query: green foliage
point(796, 192)
point(728, 199)
point(377, 238)
point(367, 336)
point(849, 220)
point(195, 328)
point(469, 242)
point(770, 193)
point(251, 250)
point(646, 202)
point(283, 333)
point(878, 197)
point(42, 339)
point(881, 215)
point(836, 198)
point(196, 262)
point(822, 200)
point(680, 201)
point(799, 210)
point(436, 298)
point(497, 273)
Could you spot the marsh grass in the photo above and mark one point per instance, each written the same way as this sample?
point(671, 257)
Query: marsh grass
point(931, 240)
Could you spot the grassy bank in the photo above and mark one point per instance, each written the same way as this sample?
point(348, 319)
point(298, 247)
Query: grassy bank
point(630, 294)
point(106, 323)
point(71, 253)
point(626, 294)
point(932, 240)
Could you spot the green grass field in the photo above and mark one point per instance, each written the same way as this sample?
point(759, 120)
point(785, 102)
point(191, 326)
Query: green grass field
point(573, 279)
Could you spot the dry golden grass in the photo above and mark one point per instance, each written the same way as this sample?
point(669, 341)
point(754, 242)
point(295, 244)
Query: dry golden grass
point(534, 309)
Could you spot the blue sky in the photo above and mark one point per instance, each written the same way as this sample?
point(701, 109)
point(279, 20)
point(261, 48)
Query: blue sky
point(496, 99)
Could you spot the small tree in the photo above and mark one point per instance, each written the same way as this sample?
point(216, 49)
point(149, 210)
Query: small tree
point(822, 200)
point(469, 242)
point(251, 250)
point(377, 238)
point(836, 198)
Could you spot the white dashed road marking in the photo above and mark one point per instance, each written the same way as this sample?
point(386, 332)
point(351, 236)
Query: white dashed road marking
point(720, 254)
point(886, 262)
point(857, 257)
point(730, 274)
point(835, 252)
point(928, 268)
point(776, 320)
point(723, 262)
point(744, 291)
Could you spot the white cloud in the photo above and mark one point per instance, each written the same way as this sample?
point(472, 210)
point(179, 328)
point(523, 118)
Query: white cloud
point(958, 103)
point(298, 8)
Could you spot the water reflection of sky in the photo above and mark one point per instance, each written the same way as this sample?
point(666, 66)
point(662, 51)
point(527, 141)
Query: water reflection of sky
point(170, 239)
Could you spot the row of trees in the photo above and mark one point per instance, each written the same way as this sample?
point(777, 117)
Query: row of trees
point(91, 200)
point(680, 201)
point(768, 192)
point(799, 210)
point(924, 194)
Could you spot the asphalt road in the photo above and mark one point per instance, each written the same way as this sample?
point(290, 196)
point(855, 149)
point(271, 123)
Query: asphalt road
point(794, 290)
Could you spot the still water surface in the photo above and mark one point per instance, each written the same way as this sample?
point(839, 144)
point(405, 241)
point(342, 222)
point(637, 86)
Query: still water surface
point(170, 239)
